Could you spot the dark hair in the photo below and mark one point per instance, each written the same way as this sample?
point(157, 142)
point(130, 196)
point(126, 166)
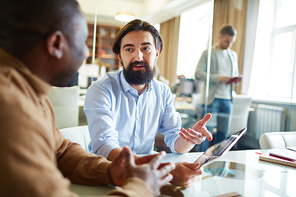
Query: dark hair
point(227, 29)
point(136, 25)
point(24, 23)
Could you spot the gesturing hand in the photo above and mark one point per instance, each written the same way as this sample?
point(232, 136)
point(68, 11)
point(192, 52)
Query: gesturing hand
point(198, 133)
point(123, 167)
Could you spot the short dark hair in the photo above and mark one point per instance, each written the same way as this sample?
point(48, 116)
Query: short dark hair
point(24, 23)
point(227, 29)
point(136, 25)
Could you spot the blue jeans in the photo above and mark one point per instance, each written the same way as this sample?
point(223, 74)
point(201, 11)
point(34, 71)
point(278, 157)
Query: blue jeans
point(221, 110)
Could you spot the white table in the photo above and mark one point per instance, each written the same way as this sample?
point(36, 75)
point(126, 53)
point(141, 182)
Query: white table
point(237, 171)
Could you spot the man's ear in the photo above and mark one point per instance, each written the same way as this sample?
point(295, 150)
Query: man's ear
point(55, 44)
point(157, 53)
point(219, 36)
point(119, 57)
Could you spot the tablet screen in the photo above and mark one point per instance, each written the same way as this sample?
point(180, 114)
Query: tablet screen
point(220, 148)
point(226, 143)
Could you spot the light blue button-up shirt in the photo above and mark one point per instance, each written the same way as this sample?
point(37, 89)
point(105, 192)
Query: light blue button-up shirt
point(117, 116)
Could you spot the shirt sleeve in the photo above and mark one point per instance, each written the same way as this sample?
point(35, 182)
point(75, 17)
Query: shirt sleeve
point(101, 124)
point(90, 169)
point(171, 121)
point(201, 69)
point(28, 164)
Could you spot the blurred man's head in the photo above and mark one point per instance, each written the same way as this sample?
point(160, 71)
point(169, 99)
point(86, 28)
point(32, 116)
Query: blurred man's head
point(138, 45)
point(227, 36)
point(54, 32)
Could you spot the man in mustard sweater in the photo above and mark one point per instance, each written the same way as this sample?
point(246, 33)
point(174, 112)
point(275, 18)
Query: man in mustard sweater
point(42, 43)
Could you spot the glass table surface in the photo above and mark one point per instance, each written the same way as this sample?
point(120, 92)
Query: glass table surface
point(238, 172)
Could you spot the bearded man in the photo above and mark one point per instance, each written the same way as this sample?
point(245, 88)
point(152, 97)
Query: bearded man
point(128, 108)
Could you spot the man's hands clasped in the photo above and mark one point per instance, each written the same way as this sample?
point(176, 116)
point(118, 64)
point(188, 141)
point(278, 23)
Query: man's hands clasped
point(153, 173)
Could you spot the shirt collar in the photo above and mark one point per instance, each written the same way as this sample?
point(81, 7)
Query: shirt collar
point(126, 86)
point(149, 86)
point(40, 86)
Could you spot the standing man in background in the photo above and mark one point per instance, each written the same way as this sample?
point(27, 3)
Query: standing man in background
point(128, 108)
point(223, 68)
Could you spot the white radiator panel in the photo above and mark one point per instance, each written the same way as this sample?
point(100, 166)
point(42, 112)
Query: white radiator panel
point(268, 119)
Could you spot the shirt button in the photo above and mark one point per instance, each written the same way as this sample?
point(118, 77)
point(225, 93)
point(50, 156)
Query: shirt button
point(137, 136)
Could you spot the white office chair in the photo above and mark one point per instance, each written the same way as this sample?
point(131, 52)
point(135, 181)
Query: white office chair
point(278, 140)
point(65, 105)
point(78, 134)
point(240, 114)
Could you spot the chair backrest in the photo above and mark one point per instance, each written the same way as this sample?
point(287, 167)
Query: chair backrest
point(65, 105)
point(78, 134)
point(240, 113)
point(278, 140)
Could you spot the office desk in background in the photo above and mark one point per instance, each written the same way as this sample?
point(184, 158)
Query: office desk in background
point(237, 171)
point(190, 114)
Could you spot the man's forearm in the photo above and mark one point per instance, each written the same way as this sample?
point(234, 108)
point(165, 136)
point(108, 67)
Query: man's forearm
point(181, 146)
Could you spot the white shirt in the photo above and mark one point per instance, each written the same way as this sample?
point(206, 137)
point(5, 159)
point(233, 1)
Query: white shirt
point(117, 116)
point(223, 91)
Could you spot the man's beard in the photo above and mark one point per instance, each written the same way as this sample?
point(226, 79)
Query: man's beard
point(138, 77)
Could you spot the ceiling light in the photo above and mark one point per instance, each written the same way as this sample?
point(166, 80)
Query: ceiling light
point(124, 16)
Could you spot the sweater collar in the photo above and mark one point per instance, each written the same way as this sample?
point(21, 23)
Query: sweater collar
point(39, 86)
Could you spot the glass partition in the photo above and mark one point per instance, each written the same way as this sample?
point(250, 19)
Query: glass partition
point(265, 46)
point(101, 59)
point(89, 71)
point(266, 51)
point(218, 71)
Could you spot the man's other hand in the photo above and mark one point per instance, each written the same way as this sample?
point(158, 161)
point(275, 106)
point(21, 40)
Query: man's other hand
point(185, 174)
point(154, 175)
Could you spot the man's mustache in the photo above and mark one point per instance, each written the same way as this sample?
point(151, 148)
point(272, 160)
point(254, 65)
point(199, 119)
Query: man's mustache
point(139, 63)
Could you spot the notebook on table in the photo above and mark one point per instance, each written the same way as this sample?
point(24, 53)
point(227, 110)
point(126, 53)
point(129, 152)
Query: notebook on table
point(287, 158)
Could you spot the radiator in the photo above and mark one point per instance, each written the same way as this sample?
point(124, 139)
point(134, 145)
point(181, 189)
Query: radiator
point(267, 118)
